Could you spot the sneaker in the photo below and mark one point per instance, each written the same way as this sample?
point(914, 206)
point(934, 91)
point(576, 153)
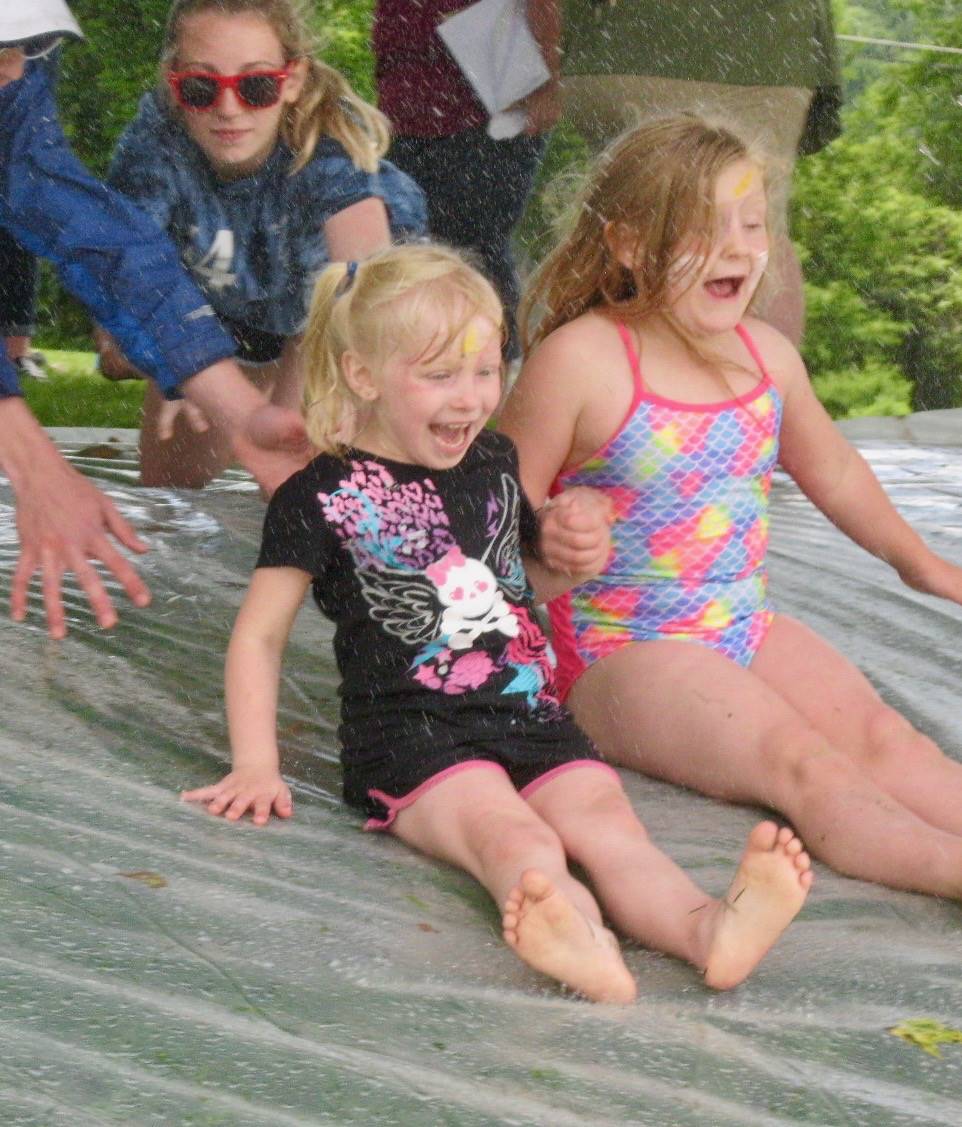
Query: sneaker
point(32, 365)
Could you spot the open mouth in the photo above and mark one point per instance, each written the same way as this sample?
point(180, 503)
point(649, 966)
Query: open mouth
point(725, 287)
point(452, 435)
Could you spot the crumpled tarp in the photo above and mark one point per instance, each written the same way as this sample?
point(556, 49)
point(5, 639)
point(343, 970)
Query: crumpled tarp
point(158, 965)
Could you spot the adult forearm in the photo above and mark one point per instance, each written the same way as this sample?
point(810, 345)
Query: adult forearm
point(24, 444)
point(544, 19)
point(224, 395)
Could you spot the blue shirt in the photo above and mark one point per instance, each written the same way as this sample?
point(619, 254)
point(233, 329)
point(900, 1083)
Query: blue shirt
point(256, 244)
point(107, 253)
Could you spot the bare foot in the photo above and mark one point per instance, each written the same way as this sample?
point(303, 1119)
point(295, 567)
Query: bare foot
point(546, 930)
point(770, 886)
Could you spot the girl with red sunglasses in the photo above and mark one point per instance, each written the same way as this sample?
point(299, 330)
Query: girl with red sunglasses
point(263, 165)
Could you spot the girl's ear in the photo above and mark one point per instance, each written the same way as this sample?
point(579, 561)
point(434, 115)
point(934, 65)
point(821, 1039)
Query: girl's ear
point(294, 86)
point(621, 243)
point(359, 377)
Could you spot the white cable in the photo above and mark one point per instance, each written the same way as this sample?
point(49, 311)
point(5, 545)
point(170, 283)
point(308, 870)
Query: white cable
point(900, 43)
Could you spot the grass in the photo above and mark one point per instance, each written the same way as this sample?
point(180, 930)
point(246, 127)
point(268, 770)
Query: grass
point(76, 395)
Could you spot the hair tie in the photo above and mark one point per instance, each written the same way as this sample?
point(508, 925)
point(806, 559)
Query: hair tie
point(348, 280)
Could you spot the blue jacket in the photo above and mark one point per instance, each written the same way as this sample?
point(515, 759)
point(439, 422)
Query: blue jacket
point(108, 253)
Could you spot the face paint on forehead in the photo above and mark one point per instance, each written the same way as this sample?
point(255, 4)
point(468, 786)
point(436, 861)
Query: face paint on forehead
point(471, 341)
point(745, 183)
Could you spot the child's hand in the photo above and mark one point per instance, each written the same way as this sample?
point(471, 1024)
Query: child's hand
point(167, 418)
point(575, 532)
point(243, 790)
point(934, 576)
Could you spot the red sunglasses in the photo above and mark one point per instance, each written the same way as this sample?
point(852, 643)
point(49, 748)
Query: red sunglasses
point(257, 89)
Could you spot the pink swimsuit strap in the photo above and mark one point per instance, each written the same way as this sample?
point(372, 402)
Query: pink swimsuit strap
point(640, 391)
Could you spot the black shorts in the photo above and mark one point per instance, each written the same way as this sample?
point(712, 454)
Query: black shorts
point(384, 785)
point(254, 346)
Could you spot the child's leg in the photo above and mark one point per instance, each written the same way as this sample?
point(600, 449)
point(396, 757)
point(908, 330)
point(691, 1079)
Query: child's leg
point(647, 896)
point(707, 723)
point(476, 820)
point(838, 701)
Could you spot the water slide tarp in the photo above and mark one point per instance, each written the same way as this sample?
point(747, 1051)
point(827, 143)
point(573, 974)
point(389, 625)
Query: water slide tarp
point(161, 966)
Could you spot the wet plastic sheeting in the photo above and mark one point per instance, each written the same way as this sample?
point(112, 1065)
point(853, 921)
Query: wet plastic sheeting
point(161, 966)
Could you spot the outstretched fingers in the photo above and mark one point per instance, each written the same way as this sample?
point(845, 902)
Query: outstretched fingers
point(26, 565)
point(233, 797)
point(64, 523)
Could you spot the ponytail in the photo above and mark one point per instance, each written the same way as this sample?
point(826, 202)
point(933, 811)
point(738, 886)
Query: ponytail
point(328, 106)
point(329, 404)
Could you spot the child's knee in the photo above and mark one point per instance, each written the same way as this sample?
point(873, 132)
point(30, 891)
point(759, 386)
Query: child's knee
point(892, 742)
point(604, 823)
point(804, 761)
point(517, 837)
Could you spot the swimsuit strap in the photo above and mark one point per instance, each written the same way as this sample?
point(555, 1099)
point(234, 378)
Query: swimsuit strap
point(633, 360)
point(752, 347)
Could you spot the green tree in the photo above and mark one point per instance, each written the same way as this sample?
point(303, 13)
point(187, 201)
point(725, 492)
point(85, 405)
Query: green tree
point(877, 219)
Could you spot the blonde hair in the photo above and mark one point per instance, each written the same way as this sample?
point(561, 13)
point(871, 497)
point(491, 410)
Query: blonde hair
point(655, 186)
point(327, 104)
point(389, 304)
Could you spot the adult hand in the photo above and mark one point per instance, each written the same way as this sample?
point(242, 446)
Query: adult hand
point(269, 441)
point(542, 107)
point(63, 522)
point(575, 532)
point(272, 445)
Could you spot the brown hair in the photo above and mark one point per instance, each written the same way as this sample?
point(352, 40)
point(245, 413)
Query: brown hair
point(654, 185)
point(327, 104)
point(376, 309)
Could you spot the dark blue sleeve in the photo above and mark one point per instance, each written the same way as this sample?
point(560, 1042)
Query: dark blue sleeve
point(9, 384)
point(108, 253)
point(17, 294)
point(335, 184)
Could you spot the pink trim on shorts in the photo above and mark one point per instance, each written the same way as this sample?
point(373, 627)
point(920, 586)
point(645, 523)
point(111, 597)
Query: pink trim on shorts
point(540, 781)
point(396, 805)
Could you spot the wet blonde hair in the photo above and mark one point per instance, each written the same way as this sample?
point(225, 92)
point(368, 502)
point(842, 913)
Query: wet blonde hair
point(327, 105)
point(655, 186)
point(389, 304)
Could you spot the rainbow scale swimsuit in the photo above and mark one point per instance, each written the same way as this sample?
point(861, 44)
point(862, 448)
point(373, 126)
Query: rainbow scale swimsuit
point(690, 485)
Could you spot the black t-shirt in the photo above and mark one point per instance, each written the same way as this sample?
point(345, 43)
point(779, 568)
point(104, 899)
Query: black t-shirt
point(420, 570)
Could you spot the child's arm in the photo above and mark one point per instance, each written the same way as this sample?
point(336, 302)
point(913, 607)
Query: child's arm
point(545, 417)
point(357, 231)
point(836, 478)
point(252, 675)
point(542, 411)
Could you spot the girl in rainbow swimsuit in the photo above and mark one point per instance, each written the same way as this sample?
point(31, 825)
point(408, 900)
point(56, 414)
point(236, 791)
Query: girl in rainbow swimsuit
point(648, 382)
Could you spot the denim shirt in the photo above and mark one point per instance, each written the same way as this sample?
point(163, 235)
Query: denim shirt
point(255, 244)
